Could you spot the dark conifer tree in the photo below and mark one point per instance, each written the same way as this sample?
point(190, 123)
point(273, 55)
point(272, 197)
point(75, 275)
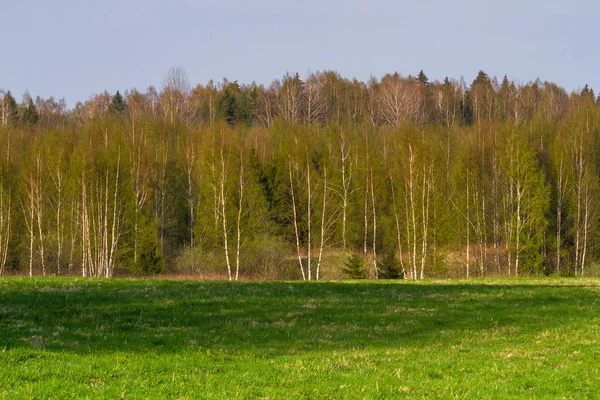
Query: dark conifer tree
point(482, 78)
point(117, 104)
point(355, 268)
point(30, 114)
point(422, 78)
point(466, 110)
point(587, 92)
point(13, 113)
point(228, 103)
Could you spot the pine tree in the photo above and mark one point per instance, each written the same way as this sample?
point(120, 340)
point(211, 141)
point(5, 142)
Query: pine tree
point(117, 104)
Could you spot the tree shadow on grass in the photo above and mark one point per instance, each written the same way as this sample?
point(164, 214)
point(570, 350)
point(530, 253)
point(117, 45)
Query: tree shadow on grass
point(269, 318)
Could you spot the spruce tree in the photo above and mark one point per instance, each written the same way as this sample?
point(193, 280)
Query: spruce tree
point(505, 86)
point(30, 114)
point(466, 110)
point(389, 267)
point(422, 78)
point(355, 268)
point(150, 261)
point(117, 104)
point(228, 104)
point(447, 82)
point(588, 92)
point(13, 113)
point(482, 78)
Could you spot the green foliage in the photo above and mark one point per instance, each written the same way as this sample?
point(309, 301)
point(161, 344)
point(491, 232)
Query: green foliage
point(482, 78)
point(13, 108)
point(150, 261)
point(236, 105)
point(422, 78)
point(30, 114)
point(117, 104)
point(465, 167)
point(587, 93)
point(265, 257)
point(389, 267)
point(466, 111)
point(528, 199)
point(355, 267)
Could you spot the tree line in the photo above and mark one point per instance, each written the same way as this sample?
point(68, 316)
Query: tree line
point(288, 181)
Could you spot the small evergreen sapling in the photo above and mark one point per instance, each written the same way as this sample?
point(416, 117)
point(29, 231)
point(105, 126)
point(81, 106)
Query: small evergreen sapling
point(389, 267)
point(355, 268)
point(150, 261)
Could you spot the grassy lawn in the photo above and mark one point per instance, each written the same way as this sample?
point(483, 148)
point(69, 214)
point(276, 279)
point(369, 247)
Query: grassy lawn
point(74, 338)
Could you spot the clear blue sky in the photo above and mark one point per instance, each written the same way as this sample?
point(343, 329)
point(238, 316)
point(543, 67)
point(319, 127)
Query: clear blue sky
point(76, 48)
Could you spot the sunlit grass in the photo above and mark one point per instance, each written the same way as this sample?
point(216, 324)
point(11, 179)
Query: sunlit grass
point(72, 338)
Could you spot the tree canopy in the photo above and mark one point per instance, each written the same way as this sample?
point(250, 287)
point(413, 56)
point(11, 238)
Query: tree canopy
point(416, 177)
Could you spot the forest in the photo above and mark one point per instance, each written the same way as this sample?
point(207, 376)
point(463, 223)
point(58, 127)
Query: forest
point(403, 176)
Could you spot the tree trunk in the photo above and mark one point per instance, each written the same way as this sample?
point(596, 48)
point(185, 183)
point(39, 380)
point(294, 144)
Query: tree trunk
point(323, 226)
point(223, 201)
point(397, 220)
point(295, 221)
point(239, 217)
point(375, 269)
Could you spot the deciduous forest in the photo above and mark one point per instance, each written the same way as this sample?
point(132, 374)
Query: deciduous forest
point(305, 178)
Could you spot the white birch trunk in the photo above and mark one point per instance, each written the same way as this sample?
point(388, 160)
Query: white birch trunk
point(295, 221)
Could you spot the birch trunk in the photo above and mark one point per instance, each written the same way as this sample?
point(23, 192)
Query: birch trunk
point(308, 222)
point(397, 221)
point(239, 216)
point(58, 180)
point(468, 227)
point(411, 185)
point(375, 269)
point(323, 223)
point(295, 221)
point(5, 225)
point(561, 184)
point(344, 153)
point(223, 203)
point(425, 218)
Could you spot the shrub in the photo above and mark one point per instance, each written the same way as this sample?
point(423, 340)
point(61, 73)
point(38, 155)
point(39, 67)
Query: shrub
point(193, 260)
point(267, 257)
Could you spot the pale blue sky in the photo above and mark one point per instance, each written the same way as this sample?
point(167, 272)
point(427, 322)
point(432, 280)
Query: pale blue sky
point(76, 48)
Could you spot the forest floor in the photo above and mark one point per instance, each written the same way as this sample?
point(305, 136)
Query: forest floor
point(153, 338)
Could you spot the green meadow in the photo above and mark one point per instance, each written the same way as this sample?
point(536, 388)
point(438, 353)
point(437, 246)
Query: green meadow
point(142, 338)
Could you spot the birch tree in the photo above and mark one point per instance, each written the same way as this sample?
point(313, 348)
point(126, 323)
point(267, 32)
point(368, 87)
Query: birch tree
point(102, 210)
point(526, 203)
point(5, 218)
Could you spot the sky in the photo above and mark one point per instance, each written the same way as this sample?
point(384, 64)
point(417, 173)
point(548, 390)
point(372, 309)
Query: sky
point(75, 49)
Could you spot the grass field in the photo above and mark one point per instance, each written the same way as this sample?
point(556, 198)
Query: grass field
point(76, 338)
